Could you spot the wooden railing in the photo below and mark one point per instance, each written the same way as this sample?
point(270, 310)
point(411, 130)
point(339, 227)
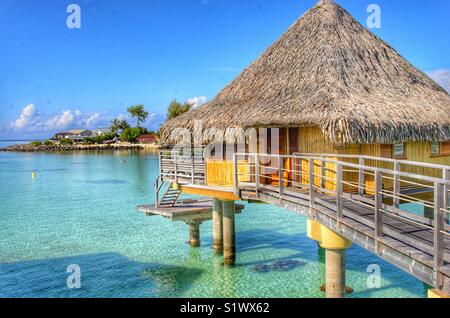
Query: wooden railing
point(183, 168)
point(312, 174)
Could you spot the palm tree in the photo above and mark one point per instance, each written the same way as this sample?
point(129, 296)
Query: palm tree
point(139, 113)
point(176, 109)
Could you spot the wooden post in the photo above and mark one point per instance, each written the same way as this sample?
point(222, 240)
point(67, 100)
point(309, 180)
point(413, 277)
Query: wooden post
point(335, 273)
point(311, 182)
point(176, 168)
point(446, 201)
point(229, 239)
point(397, 189)
point(300, 171)
point(156, 189)
point(160, 172)
point(194, 233)
point(361, 177)
point(205, 164)
point(235, 173)
point(378, 210)
point(438, 238)
point(339, 193)
point(257, 174)
point(192, 169)
point(323, 176)
point(217, 226)
point(280, 176)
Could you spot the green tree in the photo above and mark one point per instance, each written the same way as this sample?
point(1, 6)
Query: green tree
point(99, 139)
point(119, 125)
point(47, 143)
point(139, 113)
point(131, 134)
point(65, 142)
point(176, 109)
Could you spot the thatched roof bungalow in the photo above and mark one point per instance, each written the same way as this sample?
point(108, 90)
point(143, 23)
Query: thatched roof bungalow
point(329, 71)
point(333, 86)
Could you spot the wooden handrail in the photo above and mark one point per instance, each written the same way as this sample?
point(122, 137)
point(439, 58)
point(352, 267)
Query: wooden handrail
point(440, 188)
point(365, 167)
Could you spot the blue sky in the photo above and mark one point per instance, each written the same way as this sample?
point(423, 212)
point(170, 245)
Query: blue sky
point(151, 51)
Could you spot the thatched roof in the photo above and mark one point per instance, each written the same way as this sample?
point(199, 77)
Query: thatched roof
point(329, 71)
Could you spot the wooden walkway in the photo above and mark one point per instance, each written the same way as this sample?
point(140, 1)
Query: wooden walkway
point(185, 211)
point(360, 197)
point(402, 242)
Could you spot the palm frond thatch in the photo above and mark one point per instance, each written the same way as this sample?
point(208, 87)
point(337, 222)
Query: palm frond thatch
point(329, 71)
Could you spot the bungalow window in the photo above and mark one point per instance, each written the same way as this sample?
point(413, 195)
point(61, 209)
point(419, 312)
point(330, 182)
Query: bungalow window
point(440, 148)
point(399, 150)
point(436, 148)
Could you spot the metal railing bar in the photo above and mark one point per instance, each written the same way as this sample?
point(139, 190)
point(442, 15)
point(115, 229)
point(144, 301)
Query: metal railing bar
point(375, 169)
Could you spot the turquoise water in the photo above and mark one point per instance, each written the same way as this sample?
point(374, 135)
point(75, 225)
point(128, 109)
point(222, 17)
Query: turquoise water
point(81, 209)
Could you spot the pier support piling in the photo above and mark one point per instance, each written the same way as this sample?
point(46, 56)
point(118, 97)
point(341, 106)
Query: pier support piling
point(335, 247)
point(194, 233)
point(217, 215)
point(229, 239)
point(335, 273)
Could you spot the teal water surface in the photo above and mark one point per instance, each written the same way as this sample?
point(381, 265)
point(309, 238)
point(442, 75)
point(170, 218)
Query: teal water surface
point(81, 209)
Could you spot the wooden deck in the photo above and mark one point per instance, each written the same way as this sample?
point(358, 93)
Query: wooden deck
point(185, 211)
point(403, 242)
point(360, 197)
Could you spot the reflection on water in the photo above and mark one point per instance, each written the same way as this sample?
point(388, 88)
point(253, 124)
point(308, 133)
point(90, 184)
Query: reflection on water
point(106, 181)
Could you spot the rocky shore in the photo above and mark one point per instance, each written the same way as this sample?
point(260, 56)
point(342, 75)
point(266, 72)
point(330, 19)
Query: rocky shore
point(60, 148)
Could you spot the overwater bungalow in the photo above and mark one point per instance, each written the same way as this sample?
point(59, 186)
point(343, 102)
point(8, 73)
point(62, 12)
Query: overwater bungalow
point(332, 123)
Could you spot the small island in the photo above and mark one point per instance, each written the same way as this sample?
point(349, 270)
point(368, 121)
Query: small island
point(119, 136)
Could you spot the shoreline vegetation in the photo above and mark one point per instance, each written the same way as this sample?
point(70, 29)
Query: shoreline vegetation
point(78, 147)
point(120, 136)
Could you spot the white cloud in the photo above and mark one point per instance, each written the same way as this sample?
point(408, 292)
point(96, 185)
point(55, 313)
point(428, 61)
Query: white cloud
point(32, 121)
point(25, 117)
point(93, 120)
point(197, 101)
point(62, 120)
point(442, 77)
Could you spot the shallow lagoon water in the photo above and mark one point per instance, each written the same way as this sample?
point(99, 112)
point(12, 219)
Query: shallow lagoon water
point(81, 209)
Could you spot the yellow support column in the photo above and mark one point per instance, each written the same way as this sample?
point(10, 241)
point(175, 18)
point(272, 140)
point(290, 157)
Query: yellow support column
point(217, 226)
point(335, 246)
point(434, 293)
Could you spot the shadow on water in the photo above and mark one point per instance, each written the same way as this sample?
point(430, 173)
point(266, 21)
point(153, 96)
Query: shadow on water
point(253, 240)
point(306, 250)
point(102, 275)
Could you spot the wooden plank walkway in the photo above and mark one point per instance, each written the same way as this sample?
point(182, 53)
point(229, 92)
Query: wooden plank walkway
point(403, 241)
point(419, 245)
point(185, 211)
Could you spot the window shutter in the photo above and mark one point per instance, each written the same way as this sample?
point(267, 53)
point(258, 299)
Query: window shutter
point(445, 148)
point(386, 151)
